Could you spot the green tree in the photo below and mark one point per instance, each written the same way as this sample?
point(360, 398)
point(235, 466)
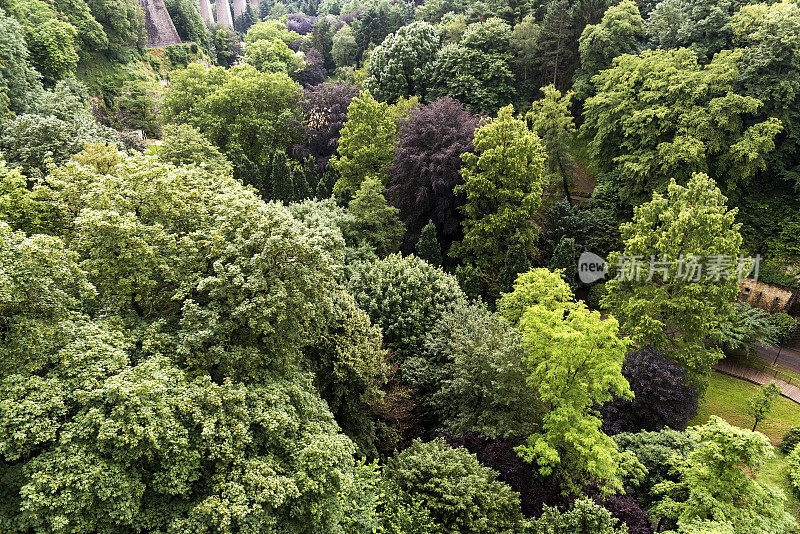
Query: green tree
point(620, 32)
point(438, 476)
point(428, 247)
point(270, 30)
point(677, 310)
point(406, 297)
point(503, 189)
point(552, 121)
point(185, 145)
point(477, 70)
point(52, 45)
point(122, 21)
point(525, 41)
point(472, 376)
point(697, 123)
point(585, 517)
point(401, 65)
point(563, 339)
point(760, 404)
point(273, 56)
point(17, 76)
point(565, 258)
point(374, 220)
point(516, 262)
point(718, 490)
point(366, 145)
point(537, 287)
point(280, 180)
point(227, 45)
point(344, 50)
point(247, 114)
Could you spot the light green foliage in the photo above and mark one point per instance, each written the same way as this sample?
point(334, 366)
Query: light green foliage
point(536, 287)
point(273, 56)
point(661, 115)
point(691, 220)
point(760, 404)
point(203, 251)
point(564, 340)
point(270, 30)
point(401, 65)
point(122, 21)
point(344, 49)
point(66, 100)
point(91, 34)
point(366, 145)
point(30, 141)
point(620, 32)
point(428, 247)
point(458, 492)
point(473, 377)
point(477, 70)
point(374, 221)
point(551, 119)
point(178, 413)
point(17, 208)
point(185, 145)
point(717, 491)
point(525, 41)
point(17, 76)
point(52, 46)
point(585, 517)
point(246, 113)
point(406, 297)
point(794, 468)
point(503, 189)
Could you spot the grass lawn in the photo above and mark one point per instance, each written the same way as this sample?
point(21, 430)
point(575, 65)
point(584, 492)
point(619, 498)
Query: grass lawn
point(727, 397)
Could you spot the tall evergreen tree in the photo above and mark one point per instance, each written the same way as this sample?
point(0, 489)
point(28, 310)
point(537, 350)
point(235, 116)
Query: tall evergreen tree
point(283, 187)
point(428, 246)
point(375, 222)
point(516, 262)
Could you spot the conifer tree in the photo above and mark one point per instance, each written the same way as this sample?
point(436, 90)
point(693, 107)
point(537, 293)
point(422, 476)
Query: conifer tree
point(516, 262)
point(283, 187)
point(375, 221)
point(428, 246)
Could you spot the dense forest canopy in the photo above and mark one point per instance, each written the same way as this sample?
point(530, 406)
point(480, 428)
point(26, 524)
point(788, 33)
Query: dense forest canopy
point(316, 269)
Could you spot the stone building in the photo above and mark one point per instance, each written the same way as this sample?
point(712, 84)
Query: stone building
point(160, 28)
point(765, 296)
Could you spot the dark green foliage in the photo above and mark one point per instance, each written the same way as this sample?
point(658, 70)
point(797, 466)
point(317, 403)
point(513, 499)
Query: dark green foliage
point(136, 109)
point(790, 440)
point(517, 261)
point(585, 517)
point(227, 45)
point(326, 183)
point(428, 245)
point(375, 222)
point(122, 21)
point(458, 492)
point(594, 230)
point(469, 279)
point(379, 20)
point(565, 257)
point(784, 324)
point(281, 179)
point(660, 453)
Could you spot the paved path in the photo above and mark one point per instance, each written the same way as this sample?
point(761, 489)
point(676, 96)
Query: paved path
point(728, 367)
point(789, 358)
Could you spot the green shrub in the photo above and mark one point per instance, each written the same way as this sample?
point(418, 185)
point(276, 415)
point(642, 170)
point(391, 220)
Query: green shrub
point(794, 468)
point(784, 325)
point(790, 440)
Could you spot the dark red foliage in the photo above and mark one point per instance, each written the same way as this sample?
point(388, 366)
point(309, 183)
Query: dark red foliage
point(426, 169)
point(300, 23)
point(627, 510)
point(314, 73)
point(500, 455)
point(664, 396)
point(325, 111)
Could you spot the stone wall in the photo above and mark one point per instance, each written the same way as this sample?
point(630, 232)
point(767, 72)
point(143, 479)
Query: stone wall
point(767, 297)
point(160, 29)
